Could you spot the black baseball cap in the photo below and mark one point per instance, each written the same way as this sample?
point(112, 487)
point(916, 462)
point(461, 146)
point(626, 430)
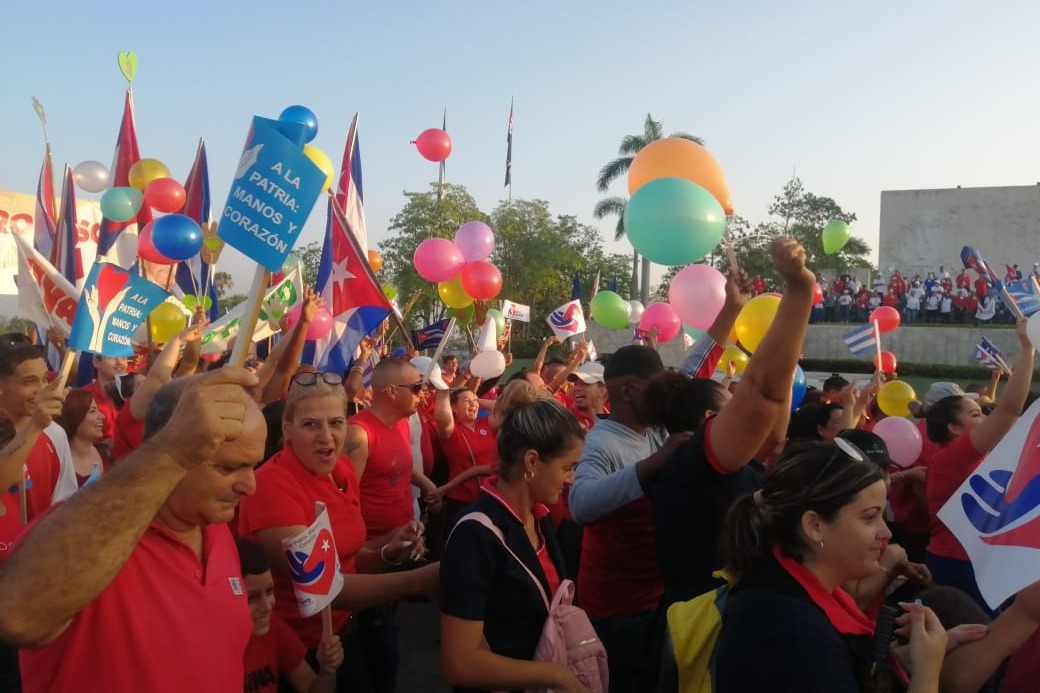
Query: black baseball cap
point(872, 445)
point(633, 359)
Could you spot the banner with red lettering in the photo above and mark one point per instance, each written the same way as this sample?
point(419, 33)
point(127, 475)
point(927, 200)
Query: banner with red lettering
point(45, 297)
point(16, 218)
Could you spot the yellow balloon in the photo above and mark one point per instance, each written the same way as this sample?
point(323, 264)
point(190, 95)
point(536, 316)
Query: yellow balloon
point(735, 354)
point(452, 293)
point(322, 161)
point(894, 398)
point(754, 320)
point(145, 171)
point(166, 321)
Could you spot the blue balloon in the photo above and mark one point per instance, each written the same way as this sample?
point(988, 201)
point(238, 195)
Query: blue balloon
point(672, 221)
point(177, 236)
point(303, 115)
point(798, 388)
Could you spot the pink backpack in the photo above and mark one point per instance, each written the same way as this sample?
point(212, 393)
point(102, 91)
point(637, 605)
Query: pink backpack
point(568, 637)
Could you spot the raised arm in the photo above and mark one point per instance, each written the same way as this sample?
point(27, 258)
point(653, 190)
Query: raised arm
point(285, 356)
point(13, 455)
point(1009, 405)
point(539, 360)
point(442, 415)
point(77, 549)
point(161, 370)
point(578, 356)
point(746, 421)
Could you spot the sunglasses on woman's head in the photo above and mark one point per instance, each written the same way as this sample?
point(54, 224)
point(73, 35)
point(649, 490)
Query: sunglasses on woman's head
point(310, 379)
point(843, 448)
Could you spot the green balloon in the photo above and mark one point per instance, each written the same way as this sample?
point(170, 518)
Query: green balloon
point(463, 316)
point(610, 310)
point(390, 292)
point(835, 236)
point(500, 321)
point(672, 221)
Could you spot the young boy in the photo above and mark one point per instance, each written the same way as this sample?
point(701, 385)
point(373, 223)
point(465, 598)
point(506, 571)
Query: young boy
point(275, 652)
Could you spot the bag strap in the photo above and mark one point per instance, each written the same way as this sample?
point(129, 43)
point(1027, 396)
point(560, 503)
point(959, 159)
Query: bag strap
point(486, 521)
point(472, 457)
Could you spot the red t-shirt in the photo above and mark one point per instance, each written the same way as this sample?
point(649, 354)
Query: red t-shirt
point(43, 469)
point(129, 433)
point(285, 495)
point(891, 300)
point(167, 623)
point(272, 656)
point(981, 287)
point(483, 444)
point(951, 465)
point(104, 405)
point(386, 484)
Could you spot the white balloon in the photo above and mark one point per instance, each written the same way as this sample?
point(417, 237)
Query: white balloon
point(635, 312)
point(91, 176)
point(1033, 329)
point(488, 364)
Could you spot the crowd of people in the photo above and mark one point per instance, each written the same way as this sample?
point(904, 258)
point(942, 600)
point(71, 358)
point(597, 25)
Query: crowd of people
point(937, 297)
point(141, 540)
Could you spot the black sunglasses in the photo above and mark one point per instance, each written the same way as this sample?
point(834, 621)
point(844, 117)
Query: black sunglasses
point(310, 379)
point(415, 387)
point(842, 448)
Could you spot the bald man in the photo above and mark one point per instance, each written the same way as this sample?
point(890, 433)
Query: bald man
point(379, 446)
point(134, 583)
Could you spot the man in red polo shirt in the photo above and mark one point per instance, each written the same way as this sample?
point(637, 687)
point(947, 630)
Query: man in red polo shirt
point(379, 446)
point(107, 369)
point(134, 583)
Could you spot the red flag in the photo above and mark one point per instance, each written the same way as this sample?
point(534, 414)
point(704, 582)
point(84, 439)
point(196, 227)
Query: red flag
point(117, 240)
point(43, 220)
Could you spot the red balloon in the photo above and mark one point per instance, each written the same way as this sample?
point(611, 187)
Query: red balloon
point(887, 319)
point(433, 144)
point(888, 362)
point(817, 298)
point(481, 280)
point(164, 195)
point(146, 248)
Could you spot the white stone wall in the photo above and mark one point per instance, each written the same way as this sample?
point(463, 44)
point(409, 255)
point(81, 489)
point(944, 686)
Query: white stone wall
point(947, 345)
point(923, 229)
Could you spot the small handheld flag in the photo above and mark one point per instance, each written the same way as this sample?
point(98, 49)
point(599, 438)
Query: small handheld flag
point(516, 311)
point(314, 564)
point(430, 337)
point(987, 354)
point(567, 320)
point(861, 340)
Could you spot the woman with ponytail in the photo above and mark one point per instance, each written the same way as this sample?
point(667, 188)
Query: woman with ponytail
point(816, 524)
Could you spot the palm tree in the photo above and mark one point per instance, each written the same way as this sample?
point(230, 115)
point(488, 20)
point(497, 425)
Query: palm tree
point(630, 146)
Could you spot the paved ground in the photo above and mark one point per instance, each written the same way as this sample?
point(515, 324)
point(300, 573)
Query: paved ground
point(419, 641)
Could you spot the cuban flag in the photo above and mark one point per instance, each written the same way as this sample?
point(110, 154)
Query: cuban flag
point(567, 320)
point(314, 564)
point(194, 276)
point(861, 341)
point(1024, 293)
point(44, 220)
point(65, 255)
point(430, 337)
point(987, 354)
point(117, 240)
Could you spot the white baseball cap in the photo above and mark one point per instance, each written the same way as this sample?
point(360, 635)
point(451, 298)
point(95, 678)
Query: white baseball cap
point(429, 371)
point(588, 373)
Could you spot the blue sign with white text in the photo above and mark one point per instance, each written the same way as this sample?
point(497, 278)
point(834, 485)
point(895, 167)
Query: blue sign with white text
point(272, 194)
point(112, 307)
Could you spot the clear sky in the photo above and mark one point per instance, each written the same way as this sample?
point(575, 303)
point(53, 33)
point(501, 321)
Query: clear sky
point(855, 97)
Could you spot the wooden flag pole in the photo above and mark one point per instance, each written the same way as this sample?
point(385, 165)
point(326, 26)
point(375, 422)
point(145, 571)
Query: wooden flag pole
point(440, 347)
point(404, 313)
point(261, 278)
point(877, 343)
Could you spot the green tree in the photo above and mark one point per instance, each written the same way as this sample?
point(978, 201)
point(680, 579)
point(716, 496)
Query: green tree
point(229, 302)
point(310, 259)
point(424, 216)
point(223, 282)
point(17, 324)
point(618, 167)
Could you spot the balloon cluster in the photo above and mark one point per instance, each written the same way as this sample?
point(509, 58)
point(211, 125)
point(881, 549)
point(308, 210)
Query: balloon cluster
point(679, 202)
point(460, 268)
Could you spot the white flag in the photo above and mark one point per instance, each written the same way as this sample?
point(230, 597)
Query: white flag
point(516, 311)
point(567, 320)
point(314, 564)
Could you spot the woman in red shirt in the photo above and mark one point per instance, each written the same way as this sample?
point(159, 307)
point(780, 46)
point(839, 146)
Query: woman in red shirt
point(966, 436)
point(468, 444)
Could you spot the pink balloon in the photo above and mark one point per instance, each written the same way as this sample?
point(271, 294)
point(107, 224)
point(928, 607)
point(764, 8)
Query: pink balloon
point(662, 316)
point(146, 249)
point(320, 326)
point(438, 260)
point(697, 294)
point(476, 240)
point(481, 280)
point(902, 438)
